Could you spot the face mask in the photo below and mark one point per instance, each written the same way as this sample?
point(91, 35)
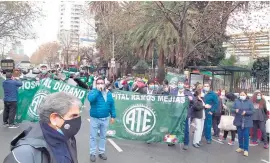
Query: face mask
point(70, 127)
point(174, 86)
point(43, 71)
point(101, 87)
point(259, 97)
point(180, 86)
point(206, 89)
point(151, 86)
point(243, 98)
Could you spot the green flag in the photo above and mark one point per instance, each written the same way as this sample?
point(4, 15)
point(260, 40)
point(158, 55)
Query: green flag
point(149, 118)
point(28, 106)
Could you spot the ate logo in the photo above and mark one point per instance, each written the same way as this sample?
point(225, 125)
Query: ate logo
point(139, 120)
point(38, 98)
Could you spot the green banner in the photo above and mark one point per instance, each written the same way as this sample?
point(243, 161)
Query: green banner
point(149, 118)
point(32, 93)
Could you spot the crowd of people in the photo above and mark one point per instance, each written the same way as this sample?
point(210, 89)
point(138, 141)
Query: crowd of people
point(52, 139)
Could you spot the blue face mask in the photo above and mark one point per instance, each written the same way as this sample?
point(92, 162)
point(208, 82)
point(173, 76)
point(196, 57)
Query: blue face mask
point(152, 86)
point(180, 86)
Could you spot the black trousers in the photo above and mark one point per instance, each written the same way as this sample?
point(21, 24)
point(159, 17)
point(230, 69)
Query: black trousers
point(233, 133)
point(9, 114)
point(215, 123)
point(259, 125)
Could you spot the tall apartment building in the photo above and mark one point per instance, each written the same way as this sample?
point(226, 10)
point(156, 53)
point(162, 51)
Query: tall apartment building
point(74, 31)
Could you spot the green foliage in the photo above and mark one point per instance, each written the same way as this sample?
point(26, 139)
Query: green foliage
point(260, 69)
point(228, 62)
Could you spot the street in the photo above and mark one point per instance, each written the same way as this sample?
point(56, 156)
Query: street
point(123, 151)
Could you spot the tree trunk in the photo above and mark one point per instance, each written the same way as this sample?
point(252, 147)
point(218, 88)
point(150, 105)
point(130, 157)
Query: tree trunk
point(161, 68)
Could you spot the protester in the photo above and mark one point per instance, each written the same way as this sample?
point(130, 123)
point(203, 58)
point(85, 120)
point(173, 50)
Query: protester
point(243, 109)
point(217, 115)
point(165, 89)
point(259, 118)
point(102, 107)
point(181, 91)
point(198, 114)
point(211, 104)
point(71, 80)
point(52, 139)
point(44, 73)
point(228, 107)
point(10, 86)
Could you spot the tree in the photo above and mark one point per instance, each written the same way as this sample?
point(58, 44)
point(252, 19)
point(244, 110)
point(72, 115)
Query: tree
point(87, 53)
point(68, 46)
point(16, 19)
point(260, 70)
point(46, 53)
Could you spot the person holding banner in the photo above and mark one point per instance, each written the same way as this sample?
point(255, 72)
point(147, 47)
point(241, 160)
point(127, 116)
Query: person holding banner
point(181, 91)
point(44, 73)
point(52, 139)
point(102, 108)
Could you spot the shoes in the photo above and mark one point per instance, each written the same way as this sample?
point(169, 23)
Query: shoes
point(196, 145)
point(13, 126)
point(246, 153)
point(239, 150)
point(199, 144)
point(231, 143)
point(102, 156)
point(209, 142)
point(254, 144)
point(92, 158)
point(265, 146)
point(171, 144)
point(185, 147)
point(221, 139)
point(5, 124)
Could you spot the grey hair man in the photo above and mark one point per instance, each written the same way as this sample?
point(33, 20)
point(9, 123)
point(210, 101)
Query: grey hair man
point(52, 139)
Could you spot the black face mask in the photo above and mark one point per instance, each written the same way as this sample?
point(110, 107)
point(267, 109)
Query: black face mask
point(71, 127)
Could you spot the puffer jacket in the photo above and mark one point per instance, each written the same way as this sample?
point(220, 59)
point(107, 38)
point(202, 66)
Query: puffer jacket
point(99, 107)
point(243, 120)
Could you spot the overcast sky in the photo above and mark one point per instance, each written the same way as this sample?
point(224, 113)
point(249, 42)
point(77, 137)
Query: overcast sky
point(46, 28)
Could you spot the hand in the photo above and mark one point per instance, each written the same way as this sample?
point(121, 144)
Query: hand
point(237, 110)
point(225, 107)
point(190, 98)
point(244, 112)
point(210, 113)
point(112, 120)
point(207, 106)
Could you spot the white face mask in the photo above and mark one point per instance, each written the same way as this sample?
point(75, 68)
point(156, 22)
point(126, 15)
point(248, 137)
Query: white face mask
point(223, 93)
point(243, 98)
point(101, 87)
point(206, 89)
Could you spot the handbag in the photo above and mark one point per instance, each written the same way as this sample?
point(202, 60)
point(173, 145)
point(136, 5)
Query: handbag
point(226, 122)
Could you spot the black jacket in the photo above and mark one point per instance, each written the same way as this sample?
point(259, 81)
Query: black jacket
point(31, 147)
point(197, 111)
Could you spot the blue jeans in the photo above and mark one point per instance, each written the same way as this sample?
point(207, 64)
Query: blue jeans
point(186, 137)
point(98, 124)
point(243, 137)
point(208, 126)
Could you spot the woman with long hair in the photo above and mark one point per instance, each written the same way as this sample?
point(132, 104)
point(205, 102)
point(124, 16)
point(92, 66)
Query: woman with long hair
point(259, 118)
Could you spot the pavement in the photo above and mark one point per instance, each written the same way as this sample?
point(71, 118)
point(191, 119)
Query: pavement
point(123, 151)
